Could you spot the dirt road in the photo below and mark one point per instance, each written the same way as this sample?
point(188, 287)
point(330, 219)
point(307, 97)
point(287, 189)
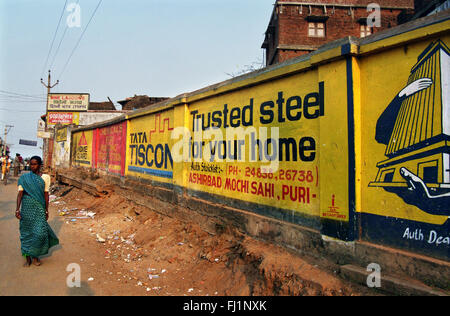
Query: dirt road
point(50, 278)
point(125, 249)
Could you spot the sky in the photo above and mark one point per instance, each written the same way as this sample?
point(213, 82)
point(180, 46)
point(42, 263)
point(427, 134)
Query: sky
point(118, 49)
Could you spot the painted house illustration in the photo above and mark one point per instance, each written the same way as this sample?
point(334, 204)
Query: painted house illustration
point(415, 128)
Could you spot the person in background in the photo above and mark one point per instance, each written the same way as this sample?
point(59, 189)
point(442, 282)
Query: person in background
point(6, 165)
point(36, 235)
point(16, 165)
point(22, 164)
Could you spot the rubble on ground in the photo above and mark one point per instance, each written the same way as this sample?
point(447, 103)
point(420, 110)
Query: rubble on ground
point(165, 256)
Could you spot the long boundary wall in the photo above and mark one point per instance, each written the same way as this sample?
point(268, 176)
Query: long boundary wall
point(347, 144)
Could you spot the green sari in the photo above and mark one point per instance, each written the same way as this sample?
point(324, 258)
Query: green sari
point(36, 236)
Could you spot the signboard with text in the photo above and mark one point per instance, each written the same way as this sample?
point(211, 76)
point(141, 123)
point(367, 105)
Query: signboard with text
point(63, 118)
point(82, 148)
point(28, 142)
point(68, 102)
point(41, 134)
point(61, 135)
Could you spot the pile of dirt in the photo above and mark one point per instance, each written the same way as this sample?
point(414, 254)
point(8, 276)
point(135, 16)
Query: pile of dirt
point(166, 256)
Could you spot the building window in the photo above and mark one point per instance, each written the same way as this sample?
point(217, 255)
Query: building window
point(316, 29)
point(365, 30)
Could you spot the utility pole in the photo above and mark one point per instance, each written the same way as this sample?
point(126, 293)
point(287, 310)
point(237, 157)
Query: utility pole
point(6, 133)
point(48, 147)
point(48, 86)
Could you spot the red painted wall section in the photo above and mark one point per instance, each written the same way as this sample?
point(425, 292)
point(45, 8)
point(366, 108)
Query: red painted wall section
point(109, 148)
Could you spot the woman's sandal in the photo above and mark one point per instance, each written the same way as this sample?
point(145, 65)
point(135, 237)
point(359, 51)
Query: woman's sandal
point(36, 262)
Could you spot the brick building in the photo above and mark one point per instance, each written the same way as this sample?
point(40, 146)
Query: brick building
point(427, 7)
point(300, 27)
point(139, 101)
point(102, 106)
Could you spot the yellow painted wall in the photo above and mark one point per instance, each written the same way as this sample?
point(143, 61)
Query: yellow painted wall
point(327, 107)
point(82, 148)
point(383, 76)
point(334, 168)
point(271, 110)
point(148, 147)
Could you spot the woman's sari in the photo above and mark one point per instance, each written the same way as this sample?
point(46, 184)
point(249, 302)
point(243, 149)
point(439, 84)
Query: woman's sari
point(36, 236)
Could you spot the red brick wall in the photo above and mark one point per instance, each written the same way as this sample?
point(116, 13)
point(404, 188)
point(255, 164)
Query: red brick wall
point(383, 3)
point(293, 27)
point(289, 54)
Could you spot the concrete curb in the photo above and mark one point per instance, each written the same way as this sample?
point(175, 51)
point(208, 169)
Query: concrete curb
point(389, 284)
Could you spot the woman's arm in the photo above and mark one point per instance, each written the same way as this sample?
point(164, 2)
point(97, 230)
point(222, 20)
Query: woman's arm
point(19, 201)
point(46, 204)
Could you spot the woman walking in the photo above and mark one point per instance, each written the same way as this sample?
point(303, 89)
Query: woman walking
point(36, 236)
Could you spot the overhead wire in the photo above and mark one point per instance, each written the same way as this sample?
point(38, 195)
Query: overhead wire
point(20, 101)
point(79, 40)
point(59, 45)
point(60, 42)
point(14, 94)
point(14, 98)
point(54, 37)
point(11, 98)
point(9, 110)
point(17, 98)
point(15, 133)
point(7, 96)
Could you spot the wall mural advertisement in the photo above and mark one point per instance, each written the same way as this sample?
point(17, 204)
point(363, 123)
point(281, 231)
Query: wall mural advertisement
point(149, 147)
point(356, 146)
point(109, 144)
point(82, 148)
point(412, 179)
point(265, 146)
point(61, 150)
point(263, 150)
